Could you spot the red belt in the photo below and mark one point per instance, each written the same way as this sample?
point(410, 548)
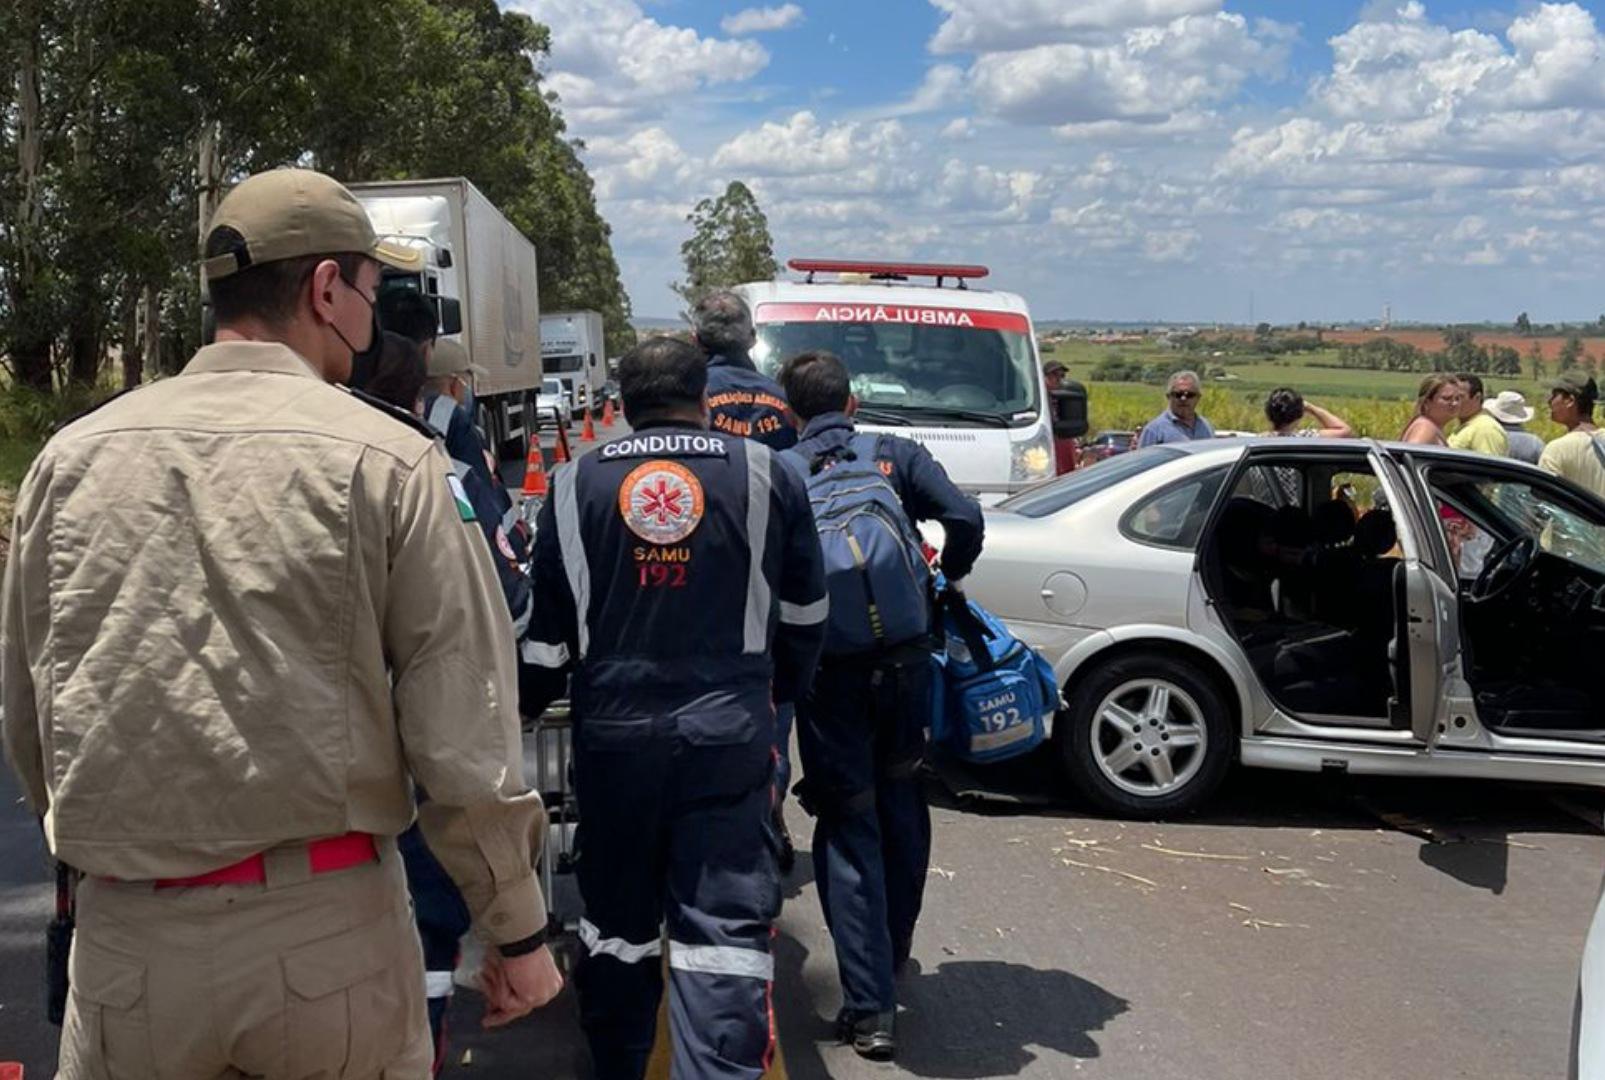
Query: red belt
point(325, 856)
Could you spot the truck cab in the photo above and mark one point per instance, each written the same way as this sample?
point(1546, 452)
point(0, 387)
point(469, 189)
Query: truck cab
point(949, 365)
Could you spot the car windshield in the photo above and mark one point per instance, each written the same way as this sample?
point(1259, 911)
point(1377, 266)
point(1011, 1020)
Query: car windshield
point(955, 366)
point(1071, 488)
point(551, 386)
point(1518, 508)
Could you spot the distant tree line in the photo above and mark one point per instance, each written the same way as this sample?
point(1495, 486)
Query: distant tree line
point(122, 121)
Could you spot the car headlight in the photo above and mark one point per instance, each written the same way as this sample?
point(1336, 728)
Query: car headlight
point(1032, 459)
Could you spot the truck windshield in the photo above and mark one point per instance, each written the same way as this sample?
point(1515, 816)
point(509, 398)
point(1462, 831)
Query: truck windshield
point(561, 363)
point(945, 365)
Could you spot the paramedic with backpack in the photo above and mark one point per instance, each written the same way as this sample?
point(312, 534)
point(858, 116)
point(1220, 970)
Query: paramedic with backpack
point(677, 574)
point(861, 726)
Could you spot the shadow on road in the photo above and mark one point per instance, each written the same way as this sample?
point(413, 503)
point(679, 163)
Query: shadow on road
point(1464, 825)
point(965, 1020)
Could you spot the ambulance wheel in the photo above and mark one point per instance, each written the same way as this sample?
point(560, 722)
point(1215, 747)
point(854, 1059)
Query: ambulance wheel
point(1147, 735)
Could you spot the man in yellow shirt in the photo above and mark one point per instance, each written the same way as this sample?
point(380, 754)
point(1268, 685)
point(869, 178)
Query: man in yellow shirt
point(1578, 455)
point(1479, 432)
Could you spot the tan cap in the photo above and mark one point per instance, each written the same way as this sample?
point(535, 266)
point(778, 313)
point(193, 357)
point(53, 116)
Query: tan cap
point(450, 358)
point(288, 213)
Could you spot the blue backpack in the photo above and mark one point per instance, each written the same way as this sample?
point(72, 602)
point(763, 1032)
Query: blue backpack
point(875, 573)
point(995, 694)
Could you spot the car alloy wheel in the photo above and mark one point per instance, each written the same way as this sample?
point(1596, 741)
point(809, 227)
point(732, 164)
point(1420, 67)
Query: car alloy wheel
point(1147, 733)
point(1149, 737)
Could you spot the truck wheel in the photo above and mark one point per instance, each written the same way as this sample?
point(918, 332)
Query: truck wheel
point(1147, 735)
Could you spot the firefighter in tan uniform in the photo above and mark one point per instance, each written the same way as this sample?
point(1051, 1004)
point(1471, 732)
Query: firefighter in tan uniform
point(244, 612)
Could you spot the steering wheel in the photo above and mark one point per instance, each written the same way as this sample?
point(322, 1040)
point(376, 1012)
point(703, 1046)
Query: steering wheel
point(1509, 564)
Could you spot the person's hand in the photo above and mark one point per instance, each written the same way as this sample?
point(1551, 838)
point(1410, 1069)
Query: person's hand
point(515, 985)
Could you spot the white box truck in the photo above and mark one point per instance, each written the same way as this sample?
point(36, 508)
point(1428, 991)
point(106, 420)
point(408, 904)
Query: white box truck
point(574, 350)
point(480, 270)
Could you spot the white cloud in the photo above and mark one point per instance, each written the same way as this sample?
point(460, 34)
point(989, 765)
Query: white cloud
point(1144, 76)
point(802, 146)
point(637, 164)
point(996, 25)
point(762, 20)
point(1115, 158)
point(612, 64)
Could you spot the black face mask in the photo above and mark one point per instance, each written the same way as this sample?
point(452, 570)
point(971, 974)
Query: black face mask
point(364, 361)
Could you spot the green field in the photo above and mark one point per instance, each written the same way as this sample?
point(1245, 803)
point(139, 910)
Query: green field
point(1378, 404)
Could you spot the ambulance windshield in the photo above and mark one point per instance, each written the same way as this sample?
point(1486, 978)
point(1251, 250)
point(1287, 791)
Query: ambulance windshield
point(948, 365)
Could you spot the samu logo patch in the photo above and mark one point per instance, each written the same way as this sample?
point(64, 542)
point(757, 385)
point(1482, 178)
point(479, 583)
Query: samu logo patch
point(661, 502)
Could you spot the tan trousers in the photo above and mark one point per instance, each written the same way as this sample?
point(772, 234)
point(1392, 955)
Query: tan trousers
point(304, 978)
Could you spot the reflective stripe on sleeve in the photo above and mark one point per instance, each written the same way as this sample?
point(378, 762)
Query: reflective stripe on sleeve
point(805, 614)
point(572, 548)
point(755, 634)
point(440, 412)
point(618, 948)
point(521, 620)
point(721, 960)
point(437, 984)
point(544, 654)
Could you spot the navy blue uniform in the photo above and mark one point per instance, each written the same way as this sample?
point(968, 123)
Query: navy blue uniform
point(861, 732)
point(677, 572)
point(742, 401)
point(438, 906)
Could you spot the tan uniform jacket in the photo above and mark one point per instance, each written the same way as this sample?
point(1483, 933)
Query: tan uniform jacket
point(212, 581)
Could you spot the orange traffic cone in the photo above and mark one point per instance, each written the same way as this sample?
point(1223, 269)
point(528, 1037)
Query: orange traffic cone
point(589, 433)
point(535, 473)
point(607, 413)
point(560, 452)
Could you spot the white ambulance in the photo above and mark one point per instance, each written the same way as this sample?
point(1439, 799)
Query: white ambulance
point(948, 365)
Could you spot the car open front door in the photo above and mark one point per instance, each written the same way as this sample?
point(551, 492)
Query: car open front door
point(1425, 639)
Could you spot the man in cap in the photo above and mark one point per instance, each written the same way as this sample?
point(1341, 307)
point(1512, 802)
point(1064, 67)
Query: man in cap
point(447, 404)
point(241, 615)
point(1066, 453)
point(1510, 408)
point(1578, 455)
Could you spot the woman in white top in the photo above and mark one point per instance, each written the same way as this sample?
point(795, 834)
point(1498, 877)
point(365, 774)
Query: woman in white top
point(1437, 403)
point(1286, 409)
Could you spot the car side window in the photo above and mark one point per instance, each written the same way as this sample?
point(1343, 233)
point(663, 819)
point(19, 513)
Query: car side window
point(1174, 517)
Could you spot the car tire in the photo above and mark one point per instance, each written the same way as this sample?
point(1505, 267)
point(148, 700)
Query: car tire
point(1092, 742)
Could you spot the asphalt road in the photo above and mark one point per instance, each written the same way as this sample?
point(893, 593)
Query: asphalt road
point(1304, 927)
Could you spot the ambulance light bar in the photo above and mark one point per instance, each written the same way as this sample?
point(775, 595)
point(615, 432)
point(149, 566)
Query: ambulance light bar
point(890, 271)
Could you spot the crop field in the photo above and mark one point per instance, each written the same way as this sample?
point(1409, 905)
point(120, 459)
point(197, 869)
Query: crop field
point(1428, 340)
point(1378, 404)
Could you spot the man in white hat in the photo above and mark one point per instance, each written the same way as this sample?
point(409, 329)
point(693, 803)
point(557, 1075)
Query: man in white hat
point(1510, 408)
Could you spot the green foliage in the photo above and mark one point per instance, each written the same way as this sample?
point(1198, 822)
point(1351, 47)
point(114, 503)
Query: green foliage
point(1524, 325)
point(364, 90)
point(729, 245)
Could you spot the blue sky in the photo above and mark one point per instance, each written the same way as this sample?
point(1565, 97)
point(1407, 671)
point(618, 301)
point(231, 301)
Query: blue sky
point(1118, 159)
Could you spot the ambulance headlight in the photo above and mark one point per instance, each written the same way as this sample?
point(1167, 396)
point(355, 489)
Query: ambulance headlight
point(1032, 459)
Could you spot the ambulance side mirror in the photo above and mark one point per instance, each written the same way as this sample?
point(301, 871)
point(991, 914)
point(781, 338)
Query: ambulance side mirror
point(1069, 405)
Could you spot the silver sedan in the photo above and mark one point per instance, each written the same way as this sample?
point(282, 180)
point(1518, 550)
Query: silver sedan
point(1313, 605)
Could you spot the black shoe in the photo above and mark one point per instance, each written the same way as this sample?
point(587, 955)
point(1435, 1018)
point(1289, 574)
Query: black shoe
point(872, 1034)
point(788, 850)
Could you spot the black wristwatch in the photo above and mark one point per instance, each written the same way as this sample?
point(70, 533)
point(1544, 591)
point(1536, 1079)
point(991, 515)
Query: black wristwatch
point(525, 946)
